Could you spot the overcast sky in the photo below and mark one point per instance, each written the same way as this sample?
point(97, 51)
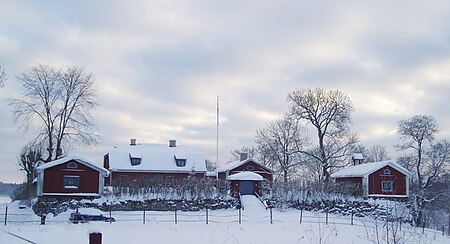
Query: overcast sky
point(159, 65)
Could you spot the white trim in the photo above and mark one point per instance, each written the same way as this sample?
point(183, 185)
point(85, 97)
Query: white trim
point(71, 176)
point(155, 171)
point(383, 195)
point(233, 165)
point(101, 184)
point(72, 194)
point(40, 184)
point(365, 185)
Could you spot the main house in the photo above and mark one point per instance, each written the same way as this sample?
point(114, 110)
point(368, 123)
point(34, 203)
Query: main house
point(386, 179)
point(70, 176)
point(146, 164)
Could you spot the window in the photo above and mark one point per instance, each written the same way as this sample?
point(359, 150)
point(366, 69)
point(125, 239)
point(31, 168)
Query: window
point(387, 186)
point(386, 172)
point(72, 165)
point(250, 168)
point(135, 161)
point(71, 182)
point(181, 162)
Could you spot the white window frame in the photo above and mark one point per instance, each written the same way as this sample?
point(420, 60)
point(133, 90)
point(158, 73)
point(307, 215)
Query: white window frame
point(72, 165)
point(386, 172)
point(383, 188)
point(72, 187)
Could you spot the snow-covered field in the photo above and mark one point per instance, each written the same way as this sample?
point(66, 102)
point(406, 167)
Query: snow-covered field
point(223, 227)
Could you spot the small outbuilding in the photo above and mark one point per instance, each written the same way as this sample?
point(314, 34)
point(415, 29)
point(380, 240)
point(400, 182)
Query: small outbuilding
point(71, 176)
point(386, 179)
point(245, 164)
point(246, 176)
point(245, 183)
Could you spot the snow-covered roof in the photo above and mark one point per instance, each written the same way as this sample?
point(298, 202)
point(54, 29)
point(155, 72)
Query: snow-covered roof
point(77, 158)
point(211, 174)
point(368, 168)
point(236, 164)
point(246, 175)
point(156, 158)
point(358, 156)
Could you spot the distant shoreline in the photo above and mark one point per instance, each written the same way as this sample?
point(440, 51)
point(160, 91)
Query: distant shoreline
point(4, 199)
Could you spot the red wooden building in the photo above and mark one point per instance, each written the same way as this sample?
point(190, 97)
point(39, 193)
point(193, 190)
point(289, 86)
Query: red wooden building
point(385, 179)
point(71, 176)
point(245, 175)
point(146, 164)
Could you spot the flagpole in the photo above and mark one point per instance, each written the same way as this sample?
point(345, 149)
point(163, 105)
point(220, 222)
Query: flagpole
point(217, 133)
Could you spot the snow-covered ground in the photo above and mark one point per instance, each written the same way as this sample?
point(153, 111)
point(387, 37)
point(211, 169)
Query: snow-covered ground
point(4, 199)
point(223, 227)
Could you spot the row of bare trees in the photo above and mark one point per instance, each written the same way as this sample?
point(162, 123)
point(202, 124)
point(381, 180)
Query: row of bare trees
point(284, 146)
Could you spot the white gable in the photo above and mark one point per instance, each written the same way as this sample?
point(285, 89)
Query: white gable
point(156, 158)
point(76, 158)
point(368, 168)
point(233, 165)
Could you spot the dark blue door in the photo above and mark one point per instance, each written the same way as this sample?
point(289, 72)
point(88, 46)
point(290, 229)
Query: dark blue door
point(246, 188)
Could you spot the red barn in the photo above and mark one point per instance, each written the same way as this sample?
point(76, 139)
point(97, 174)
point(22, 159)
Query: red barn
point(385, 179)
point(146, 164)
point(71, 176)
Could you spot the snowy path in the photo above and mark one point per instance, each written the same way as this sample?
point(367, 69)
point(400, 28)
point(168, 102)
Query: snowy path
point(252, 204)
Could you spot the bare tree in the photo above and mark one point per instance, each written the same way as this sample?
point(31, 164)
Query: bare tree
point(252, 152)
point(417, 134)
point(60, 101)
point(282, 140)
point(3, 76)
point(377, 153)
point(329, 113)
point(30, 157)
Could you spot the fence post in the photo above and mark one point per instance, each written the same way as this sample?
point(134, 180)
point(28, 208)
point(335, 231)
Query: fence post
point(143, 220)
point(443, 229)
point(6, 214)
point(206, 215)
point(43, 216)
point(352, 218)
point(95, 238)
point(240, 215)
point(110, 217)
point(176, 218)
point(326, 216)
point(301, 215)
point(271, 218)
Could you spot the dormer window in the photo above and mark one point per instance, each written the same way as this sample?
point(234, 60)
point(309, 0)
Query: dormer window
point(386, 172)
point(135, 161)
point(72, 165)
point(181, 162)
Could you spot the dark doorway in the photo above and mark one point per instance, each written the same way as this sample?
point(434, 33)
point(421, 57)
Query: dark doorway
point(246, 188)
